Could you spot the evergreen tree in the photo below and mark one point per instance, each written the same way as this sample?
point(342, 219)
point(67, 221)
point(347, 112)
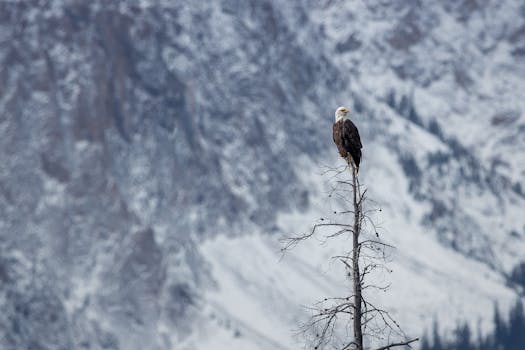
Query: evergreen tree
point(484, 343)
point(463, 335)
point(507, 335)
point(516, 329)
point(425, 345)
point(436, 339)
point(500, 330)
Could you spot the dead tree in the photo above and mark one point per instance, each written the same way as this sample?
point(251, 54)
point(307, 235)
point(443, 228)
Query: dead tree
point(339, 315)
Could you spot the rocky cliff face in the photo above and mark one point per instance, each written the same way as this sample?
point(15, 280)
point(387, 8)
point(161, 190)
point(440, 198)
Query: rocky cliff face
point(132, 132)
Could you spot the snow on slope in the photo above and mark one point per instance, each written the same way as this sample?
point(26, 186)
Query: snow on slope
point(133, 134)
point(258, 301)
point(261, 296)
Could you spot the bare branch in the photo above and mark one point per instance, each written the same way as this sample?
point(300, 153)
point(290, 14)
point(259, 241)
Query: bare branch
point(353, 313)
point(393, 345)
point(293, 241)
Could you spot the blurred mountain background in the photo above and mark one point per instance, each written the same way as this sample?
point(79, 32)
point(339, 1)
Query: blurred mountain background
point(154, 152)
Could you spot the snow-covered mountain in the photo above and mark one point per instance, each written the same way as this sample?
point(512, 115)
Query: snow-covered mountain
point(154, 153)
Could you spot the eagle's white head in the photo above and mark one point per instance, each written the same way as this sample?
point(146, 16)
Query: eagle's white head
point(341, 113)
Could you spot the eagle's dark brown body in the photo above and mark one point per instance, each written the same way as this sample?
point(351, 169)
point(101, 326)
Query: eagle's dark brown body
point(346, 137)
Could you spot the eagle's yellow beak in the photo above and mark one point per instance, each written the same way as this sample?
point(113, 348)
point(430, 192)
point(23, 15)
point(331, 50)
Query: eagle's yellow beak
point(346, 110)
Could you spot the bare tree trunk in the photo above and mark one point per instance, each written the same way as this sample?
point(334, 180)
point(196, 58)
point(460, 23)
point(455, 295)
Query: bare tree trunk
point(353, 309)
point(356, 275)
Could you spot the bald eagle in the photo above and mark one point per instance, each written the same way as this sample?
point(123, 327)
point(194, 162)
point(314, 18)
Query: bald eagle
point(346, 137)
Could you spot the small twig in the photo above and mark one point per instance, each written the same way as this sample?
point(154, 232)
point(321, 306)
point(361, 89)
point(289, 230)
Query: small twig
point(393, 345)
point(368, 255)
